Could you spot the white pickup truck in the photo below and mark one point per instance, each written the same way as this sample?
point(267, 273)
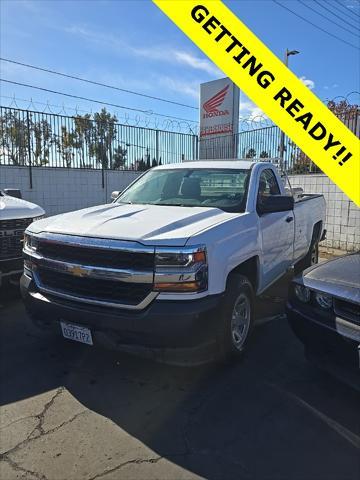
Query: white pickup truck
point(15, 216)
point(172, 267)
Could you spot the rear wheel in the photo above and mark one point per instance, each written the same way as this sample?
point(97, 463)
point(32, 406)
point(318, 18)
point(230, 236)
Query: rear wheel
point(237, 317)
point(312, 257)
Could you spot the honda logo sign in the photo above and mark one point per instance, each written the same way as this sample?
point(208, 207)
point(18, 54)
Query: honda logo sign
point(211, 106)
point(219, 117)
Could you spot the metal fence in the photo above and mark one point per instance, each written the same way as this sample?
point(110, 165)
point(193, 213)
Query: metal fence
point(257, 143)
point(32, 138)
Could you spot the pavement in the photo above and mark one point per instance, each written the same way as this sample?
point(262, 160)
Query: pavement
point(71, 412)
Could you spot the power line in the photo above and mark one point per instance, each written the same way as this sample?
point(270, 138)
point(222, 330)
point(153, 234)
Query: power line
point(326, 8)
point(327, 18)
point(314, 25)
point(339, 11)
point(146, 112)
point(93, 82)
point(347, 9)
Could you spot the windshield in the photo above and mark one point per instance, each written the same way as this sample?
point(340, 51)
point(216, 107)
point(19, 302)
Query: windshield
point(221, 188)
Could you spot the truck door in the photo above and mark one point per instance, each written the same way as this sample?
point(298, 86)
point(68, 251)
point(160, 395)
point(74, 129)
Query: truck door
point(276, 232)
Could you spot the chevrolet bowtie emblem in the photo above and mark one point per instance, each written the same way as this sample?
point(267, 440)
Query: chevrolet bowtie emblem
point(78, 271)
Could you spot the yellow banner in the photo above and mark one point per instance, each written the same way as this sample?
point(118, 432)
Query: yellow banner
point(272, 87)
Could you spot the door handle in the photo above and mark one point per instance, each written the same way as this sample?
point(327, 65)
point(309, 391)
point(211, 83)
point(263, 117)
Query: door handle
point(289, 219)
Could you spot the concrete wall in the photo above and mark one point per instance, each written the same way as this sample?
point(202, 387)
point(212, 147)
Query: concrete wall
point(60, 190)
point(342, 215)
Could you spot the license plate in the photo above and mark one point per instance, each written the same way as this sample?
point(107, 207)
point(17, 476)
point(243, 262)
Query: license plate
point(77, 333)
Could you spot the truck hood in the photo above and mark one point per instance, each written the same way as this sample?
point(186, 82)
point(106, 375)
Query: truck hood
point(339, 277)
point(147, 224)
point(14, 208)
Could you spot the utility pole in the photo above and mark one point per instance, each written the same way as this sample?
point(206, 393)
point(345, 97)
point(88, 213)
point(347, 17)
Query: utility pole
point(282, 134)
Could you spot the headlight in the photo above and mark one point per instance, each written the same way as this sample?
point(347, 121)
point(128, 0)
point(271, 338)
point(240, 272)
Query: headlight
point(30, 242)
point(302, 293)
point(181, 269)
point(165, 258)
point(324, 300)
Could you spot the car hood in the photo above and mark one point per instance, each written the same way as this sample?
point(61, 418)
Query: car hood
point(13, 208)
point(147, 224)
point(339, 277)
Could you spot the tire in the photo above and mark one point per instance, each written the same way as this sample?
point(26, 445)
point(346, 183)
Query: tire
point(236, 318)
point(311, 258)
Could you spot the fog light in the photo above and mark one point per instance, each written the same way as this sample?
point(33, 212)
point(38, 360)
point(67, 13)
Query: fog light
point(302, 293)
point(324, 300)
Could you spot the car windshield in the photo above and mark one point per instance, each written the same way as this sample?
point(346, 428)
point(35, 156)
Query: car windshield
point(190, 187)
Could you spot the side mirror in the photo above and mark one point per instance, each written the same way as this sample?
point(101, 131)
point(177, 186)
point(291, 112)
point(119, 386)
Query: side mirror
point(115, 194)
point(275, 203)
point(13, 192)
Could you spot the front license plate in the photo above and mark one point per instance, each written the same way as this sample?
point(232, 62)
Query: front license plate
point(77, 333)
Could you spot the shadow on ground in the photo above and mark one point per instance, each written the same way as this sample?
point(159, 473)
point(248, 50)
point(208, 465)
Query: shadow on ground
point(271, 415)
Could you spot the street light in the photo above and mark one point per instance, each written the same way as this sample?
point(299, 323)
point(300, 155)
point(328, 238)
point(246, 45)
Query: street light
point(288, 53)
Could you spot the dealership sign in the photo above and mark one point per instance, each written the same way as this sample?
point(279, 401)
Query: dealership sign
point(219, 108)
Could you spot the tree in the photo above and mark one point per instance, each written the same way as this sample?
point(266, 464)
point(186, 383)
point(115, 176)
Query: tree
point(103, 135)
point(251, 153)
point(14, 138)
point(66, 144)
point(83, 134)
point(264, 154)
point(141, 165)
point(348, 114)
point(119, 157)
point(43, 140)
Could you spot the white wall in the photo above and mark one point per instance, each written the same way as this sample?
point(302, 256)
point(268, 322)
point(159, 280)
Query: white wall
point(342, 215)
point(60, 190)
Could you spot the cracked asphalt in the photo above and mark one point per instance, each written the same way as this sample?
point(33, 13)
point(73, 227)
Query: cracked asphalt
point(71, 412)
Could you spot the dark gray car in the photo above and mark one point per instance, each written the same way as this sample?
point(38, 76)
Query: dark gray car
point(324, 312)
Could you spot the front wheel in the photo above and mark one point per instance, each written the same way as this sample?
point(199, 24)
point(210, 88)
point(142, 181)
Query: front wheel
point(237, 317)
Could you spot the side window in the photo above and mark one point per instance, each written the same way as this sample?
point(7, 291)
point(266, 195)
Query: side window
point(268, 185)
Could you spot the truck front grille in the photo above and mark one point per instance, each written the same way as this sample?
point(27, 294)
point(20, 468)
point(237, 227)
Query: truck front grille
point(92, 288)
point(108, 272)
point(347, 310)
point(97, 257)
point(11, 235)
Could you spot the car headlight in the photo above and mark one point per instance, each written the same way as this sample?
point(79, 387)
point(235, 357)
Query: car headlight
point(30, 242)
point(181, 269)
point(302, 293)
point(324, 300)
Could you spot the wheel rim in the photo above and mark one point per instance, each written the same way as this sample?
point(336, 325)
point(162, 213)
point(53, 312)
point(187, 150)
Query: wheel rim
point(240, 320)
point(314, 256)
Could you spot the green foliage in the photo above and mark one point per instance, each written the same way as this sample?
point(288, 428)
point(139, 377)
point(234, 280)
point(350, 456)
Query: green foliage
point(31, 136)
point(119, 157)
point(14, 138)
point(251, 153)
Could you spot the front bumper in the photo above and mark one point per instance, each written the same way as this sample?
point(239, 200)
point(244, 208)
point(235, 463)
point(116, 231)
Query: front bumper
point(11, 269)
point(337, 353)
point(177, 332)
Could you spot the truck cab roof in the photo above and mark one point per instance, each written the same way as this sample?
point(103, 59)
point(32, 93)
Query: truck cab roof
point(226, 164)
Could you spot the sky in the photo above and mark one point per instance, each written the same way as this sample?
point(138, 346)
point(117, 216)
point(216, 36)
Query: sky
point(131, 44)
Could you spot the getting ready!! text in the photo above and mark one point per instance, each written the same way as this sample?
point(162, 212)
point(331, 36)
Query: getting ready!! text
point(256, 68)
